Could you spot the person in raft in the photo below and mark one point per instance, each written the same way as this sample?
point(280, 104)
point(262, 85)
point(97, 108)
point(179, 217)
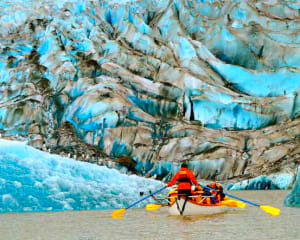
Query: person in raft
point(185, 179)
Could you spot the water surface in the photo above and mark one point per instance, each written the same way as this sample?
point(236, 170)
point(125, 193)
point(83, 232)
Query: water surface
point(250, 223)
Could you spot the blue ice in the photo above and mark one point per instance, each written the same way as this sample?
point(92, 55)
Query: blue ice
point(268, 82)
point(138, 23)
point(2, 65)
point(83, 46)
point(32, 180)
point(45, 46)
point(218, 115)
point(273, 181)
point(186, 50)
point(114, 16)
point(293, 198)
point(4, 76)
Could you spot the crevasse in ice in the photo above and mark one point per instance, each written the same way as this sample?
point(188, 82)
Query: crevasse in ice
point(32, 180)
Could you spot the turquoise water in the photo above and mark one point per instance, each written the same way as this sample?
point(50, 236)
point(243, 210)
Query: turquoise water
point(250, 223)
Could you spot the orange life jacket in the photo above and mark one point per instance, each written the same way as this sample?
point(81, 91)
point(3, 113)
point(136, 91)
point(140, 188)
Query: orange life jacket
point(219, 195)
point(184, 181)
point(184, 178)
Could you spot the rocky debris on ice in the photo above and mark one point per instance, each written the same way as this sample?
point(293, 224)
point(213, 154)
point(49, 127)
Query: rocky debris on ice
point(151, 83)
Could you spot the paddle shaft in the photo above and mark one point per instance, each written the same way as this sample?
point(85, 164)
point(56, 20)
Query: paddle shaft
point(232, 196)
point(142, 199)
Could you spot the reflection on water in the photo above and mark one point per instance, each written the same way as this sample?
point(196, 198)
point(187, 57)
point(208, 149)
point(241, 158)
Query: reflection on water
point(197, 218)
point(250, 223)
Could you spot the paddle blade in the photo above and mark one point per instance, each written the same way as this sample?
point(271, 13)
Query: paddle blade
point(152, 207)
point(118, 213)
point(273, 211)
point(241, 204)
point(233, 203)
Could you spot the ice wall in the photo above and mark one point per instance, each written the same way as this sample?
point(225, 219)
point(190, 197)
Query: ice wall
point(148, 83)
point(32, 180)
point(273, 181)
point(293, 198)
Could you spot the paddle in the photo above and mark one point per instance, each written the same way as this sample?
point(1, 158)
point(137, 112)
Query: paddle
point(232, 203)
point(119, 212)
point(273, 211)
point(154, 206)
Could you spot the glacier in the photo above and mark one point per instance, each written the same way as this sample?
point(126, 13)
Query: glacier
point(282, 181)
point(293, 198)
point(148, 84)
point(32, 180)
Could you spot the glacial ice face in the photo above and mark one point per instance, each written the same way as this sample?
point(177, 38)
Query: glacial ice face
point(32, 180)
point(65, 40)
point(155, 81)
point(293, 198)
point(268, 82)
point(273, 181)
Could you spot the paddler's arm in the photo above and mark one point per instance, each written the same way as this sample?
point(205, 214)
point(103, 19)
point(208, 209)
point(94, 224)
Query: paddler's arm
point(193, 178)
point(156, 198)
point(173, 180)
